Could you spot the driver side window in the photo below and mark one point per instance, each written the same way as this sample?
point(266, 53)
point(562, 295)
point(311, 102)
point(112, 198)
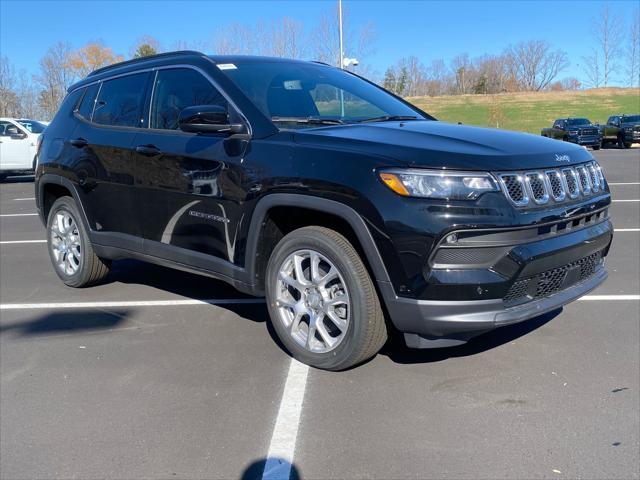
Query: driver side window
point(177, 89)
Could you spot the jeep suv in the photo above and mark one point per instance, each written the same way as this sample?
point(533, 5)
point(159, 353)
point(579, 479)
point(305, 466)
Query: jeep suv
point(353, 212)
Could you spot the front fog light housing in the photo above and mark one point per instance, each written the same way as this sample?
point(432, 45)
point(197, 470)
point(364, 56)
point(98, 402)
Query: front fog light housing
point(438, 184)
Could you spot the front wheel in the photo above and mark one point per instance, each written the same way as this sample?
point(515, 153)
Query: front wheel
point(322, 302)
point(70, 249)
point(597, 147)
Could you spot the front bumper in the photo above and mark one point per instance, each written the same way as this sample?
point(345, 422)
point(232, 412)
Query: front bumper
point(529, 280)
point(586, 140)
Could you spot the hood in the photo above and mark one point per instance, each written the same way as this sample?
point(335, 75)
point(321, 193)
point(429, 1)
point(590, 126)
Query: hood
point(434, 144)
point(629, 124)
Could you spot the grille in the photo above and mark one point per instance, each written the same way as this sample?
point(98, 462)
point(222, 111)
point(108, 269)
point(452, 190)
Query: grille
point(571, 182)
point(583, 179)
point(552, 281)
point(537, 187)
point(588, 131)
point(594, 177)
point(555, 185)
point(517, 290)
point(515, 189)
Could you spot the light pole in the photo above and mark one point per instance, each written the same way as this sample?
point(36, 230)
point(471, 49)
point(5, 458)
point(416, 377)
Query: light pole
point(340, 29)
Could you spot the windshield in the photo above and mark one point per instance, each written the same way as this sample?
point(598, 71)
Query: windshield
point(300, 95)
point(631, 119)
point(578, 121)
point(32, 125)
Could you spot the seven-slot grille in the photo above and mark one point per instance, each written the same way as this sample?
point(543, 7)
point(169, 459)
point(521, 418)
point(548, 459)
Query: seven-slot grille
point(539, 187)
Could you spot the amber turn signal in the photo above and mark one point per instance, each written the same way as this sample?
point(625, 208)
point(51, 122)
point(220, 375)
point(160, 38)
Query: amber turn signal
point(393, 182)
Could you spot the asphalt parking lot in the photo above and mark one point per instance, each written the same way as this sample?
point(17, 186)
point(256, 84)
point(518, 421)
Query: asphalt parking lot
point(110, 387)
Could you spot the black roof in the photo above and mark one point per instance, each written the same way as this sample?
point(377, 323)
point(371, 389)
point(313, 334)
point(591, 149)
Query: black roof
point(154, 60)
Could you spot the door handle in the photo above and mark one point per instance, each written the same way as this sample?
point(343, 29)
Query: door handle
point(148, 150)
point(79, 142)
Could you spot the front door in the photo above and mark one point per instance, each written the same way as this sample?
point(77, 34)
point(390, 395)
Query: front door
point(190, 186)
point(14, 150)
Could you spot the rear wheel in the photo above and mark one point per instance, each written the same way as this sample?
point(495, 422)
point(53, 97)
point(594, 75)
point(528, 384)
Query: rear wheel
point(322, 302)
point(70, 249)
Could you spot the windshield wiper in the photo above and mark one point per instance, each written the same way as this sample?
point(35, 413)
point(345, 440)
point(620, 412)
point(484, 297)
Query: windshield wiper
point(308, 120)
point(386, 118)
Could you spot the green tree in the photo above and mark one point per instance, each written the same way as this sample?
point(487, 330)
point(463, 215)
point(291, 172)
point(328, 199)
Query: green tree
point(144, 50)
point(389, 81)
point(402, 81)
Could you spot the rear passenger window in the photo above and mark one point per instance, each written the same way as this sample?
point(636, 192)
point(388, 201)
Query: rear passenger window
point(120, 101)
point(176, 89)
point(85, 109)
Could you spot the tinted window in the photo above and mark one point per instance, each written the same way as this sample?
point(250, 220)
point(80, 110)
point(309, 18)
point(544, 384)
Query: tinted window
point(302, 90)
point(32, 125)
point(574, 122)
point(3, 128)
point(177, 89)
point(120, 101)
point(88, 101)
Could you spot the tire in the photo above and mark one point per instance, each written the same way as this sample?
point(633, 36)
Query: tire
point(70, 249)
point(627, 145)
point(3, 177)
point(597, 147)
point(362, 332)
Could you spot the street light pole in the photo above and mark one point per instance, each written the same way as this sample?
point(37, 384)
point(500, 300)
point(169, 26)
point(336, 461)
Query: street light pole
point(340, 28)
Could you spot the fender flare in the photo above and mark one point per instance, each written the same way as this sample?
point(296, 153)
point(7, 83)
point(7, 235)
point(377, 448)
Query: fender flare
point(50, 178)
point(324, 205)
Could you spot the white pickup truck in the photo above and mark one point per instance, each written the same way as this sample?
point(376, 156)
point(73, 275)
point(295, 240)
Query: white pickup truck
point(18, 145)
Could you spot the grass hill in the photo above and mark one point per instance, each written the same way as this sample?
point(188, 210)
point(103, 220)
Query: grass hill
point(531, 111)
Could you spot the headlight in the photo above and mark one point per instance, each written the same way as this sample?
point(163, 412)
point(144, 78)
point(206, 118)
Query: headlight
point(438, 184)
point(573, 132)
point(628, 129)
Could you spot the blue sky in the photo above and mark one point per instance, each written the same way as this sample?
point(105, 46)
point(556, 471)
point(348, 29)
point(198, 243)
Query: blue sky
point(428, 30)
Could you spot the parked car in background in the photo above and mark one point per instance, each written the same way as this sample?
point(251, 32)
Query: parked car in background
point(18, 145)
point(575, 130)
point(622, 130)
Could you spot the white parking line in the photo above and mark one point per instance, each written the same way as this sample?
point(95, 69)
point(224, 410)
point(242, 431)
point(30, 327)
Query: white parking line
point(626, 230)
point(18, 214)
point(23, 199)
point(610, 297)
point(630, 200)
point(142, 303)
point(624, 183)
point(9, 242)
point(285, 431)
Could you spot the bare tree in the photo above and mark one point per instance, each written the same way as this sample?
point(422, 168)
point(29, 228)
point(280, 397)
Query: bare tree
point(608, 34)
point(633, 51)
point(285, 38)
point(9, 104)
point(358, 43)
point(593, 69)
point(56, 75)
point(462, 71)
point(235, 39)
point(536, 64)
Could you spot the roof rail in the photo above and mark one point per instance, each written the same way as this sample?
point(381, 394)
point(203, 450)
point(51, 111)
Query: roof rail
point(142, 59)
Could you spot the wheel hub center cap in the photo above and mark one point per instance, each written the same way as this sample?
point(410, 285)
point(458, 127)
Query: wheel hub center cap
point(314, 299)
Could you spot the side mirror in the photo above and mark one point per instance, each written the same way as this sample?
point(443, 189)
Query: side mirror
point(16, 134)
point(207, 119)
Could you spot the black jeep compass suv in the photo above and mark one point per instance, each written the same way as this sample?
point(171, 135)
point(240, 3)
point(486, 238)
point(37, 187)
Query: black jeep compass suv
point(352, 211)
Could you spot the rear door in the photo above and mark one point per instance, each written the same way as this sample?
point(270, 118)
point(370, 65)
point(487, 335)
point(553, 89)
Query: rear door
point(109, 117)
point(190, 185)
